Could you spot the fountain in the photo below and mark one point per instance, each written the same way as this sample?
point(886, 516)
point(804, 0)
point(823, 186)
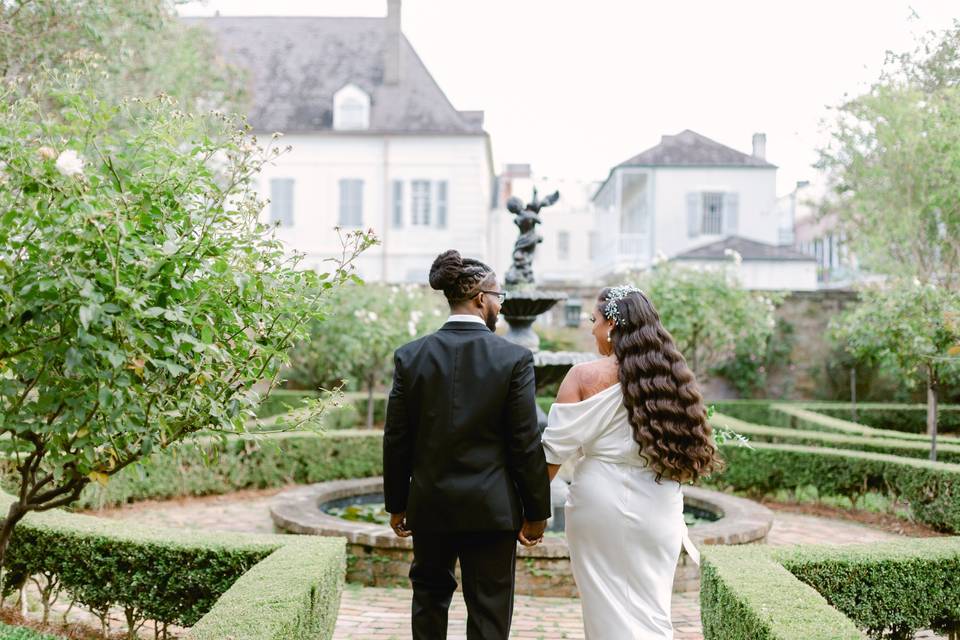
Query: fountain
point(525, 302)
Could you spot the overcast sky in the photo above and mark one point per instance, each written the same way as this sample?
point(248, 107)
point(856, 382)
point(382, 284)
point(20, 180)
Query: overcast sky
point(576, 87)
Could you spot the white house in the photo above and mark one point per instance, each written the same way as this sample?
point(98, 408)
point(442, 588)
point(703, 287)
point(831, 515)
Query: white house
point(819, 236)
point(569, 226)
point(758, 265)
point(688, 192)
point(376, 143)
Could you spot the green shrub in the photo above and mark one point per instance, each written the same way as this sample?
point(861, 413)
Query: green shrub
point(808, 416)
point(746, 595)
point(215, 466)
point(8, 632)
point(897, 447)
point(932, 489)
point(818, 593)
point(298, 578)
point(290, 586)
point(359, 402)
point(283, 400)
point(755, 411)
point(911, 418)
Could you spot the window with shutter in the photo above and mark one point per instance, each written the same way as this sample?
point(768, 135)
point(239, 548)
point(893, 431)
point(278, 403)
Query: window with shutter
point(281, 201)
point(442, 204)
point(420, 203)
point(712, 223)
point(398, 203)
point(351, 202)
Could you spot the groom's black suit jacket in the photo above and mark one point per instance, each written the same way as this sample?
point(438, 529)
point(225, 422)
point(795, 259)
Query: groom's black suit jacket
point(461, 445)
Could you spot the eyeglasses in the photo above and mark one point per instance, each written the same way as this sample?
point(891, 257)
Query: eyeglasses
point(501, 295)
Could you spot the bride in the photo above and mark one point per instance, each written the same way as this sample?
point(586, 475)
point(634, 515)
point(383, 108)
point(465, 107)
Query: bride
point(637, 419)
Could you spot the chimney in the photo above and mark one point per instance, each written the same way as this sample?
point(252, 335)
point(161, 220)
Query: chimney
point(760, 146)
point(391, 50)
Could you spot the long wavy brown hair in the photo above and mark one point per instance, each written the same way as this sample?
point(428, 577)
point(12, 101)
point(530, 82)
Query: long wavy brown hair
point(660, 392)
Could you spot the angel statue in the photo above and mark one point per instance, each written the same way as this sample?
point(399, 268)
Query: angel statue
point(527, 219)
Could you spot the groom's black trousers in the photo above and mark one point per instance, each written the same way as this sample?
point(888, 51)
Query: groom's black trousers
point(487, 566)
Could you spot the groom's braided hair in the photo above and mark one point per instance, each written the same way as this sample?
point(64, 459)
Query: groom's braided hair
point(660, 392)
point(459, 278)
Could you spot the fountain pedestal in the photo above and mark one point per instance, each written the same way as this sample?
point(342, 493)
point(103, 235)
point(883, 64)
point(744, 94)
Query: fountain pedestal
point(521, 309)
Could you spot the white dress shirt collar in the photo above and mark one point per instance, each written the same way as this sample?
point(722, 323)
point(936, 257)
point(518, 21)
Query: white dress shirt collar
point(465, 317)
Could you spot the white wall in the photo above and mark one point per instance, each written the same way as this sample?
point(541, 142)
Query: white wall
point(318, 162)
point(758, 196)
point(766, 275)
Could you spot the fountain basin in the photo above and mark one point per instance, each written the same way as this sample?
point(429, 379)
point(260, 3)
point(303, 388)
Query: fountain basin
point(521, 309)
point(377, 557)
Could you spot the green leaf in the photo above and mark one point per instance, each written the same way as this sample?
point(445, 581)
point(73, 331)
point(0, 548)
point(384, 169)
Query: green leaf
point(87, 314)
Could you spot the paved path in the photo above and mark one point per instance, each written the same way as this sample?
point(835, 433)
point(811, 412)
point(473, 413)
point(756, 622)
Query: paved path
point(375, 613)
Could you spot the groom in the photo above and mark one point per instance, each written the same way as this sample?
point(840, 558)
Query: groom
point(464, 470)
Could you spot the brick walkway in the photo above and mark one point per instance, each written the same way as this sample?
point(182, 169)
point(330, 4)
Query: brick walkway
point(376, 613)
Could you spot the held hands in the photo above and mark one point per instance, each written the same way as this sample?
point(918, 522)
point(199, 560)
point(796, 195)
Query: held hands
point(398, 522)
point(532, 533)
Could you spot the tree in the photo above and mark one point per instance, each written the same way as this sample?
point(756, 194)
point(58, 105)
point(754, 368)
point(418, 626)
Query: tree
point(911, 324)
point(140, 298)
point(894, 165)
point(362, 326)
point(139, 47)
point(710, 315)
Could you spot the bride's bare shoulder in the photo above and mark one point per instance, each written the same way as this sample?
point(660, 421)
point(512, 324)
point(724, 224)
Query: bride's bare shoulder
point(587, 379)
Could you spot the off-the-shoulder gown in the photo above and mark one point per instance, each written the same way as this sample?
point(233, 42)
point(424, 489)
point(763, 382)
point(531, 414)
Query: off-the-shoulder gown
point(624, 530)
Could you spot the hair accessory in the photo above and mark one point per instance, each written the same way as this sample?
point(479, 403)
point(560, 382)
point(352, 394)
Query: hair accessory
point(611, 311)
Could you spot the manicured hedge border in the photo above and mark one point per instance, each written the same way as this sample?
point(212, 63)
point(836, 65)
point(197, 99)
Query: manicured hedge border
point(248, 587)
point(798, 416)
point(22, 633)
point(825, 593)
point(897, 447)
point(932, 489)
point(213, 466)
point(911, 418)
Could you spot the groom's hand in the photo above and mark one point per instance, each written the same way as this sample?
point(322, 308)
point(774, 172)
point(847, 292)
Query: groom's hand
point(398, 522)
point(531, 533)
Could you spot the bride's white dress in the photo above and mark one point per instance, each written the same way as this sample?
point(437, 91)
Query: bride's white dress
point(624, 530)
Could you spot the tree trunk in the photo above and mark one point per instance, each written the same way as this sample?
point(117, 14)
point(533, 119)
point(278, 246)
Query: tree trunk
point(853, 393)
point(14, 515)
point(370, 383)
point(932, 412)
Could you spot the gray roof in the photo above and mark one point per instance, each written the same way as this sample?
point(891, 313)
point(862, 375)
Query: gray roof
point(296, 64)
point(689, 148)
point(748, 249)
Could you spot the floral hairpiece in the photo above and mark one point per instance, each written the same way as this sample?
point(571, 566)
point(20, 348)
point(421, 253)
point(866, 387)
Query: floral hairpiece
point(611, 311)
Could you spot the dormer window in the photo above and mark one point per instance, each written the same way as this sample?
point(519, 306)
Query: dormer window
point(351, 109)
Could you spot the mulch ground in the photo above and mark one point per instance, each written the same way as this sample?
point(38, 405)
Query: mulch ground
point(884, 521)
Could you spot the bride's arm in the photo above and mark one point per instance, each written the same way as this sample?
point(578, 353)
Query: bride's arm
point(569, 392)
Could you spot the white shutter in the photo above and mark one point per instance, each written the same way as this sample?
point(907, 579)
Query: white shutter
point(693, 214)
point(731, 213)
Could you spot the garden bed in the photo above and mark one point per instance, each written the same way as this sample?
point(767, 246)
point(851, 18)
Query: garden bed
point(831, 593)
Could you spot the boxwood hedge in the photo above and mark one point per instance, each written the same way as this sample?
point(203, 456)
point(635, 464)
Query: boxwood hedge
point(932, 489)
point(800, 416)
point(245, 587)
point(818, 593)
point(214, 466)
point(8, 632)
point(897, 447)
point(911, 418)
